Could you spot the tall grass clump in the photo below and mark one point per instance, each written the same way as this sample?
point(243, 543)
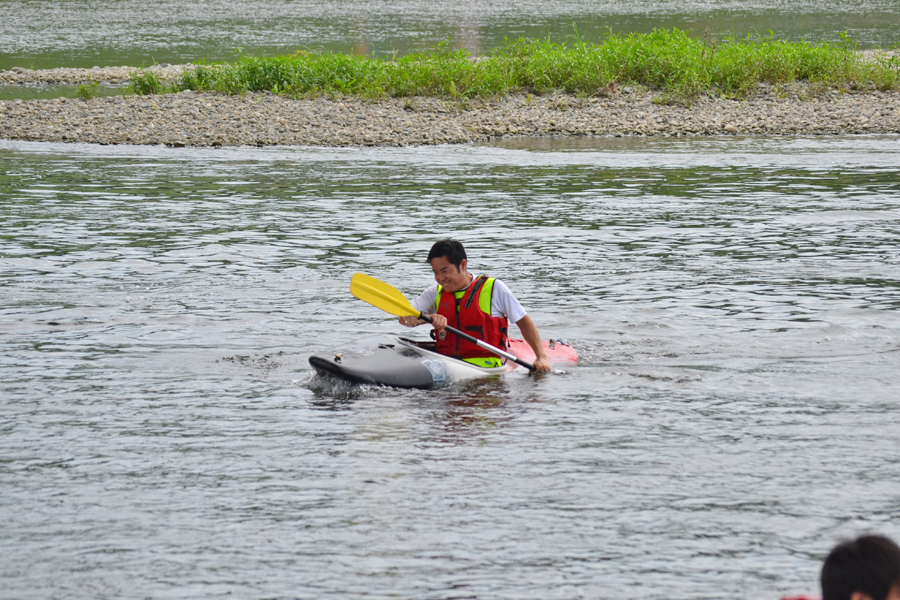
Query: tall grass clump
point(145, 82)
point(88, 90)
point(670, 62)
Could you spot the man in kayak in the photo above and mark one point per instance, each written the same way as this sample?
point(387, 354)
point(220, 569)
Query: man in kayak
point(480, 306)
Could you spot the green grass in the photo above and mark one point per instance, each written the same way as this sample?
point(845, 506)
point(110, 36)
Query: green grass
point(87, 91)
point(673, 64)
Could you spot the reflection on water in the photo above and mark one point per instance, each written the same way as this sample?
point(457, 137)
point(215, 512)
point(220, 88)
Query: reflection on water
point(734, 302)
point(132, 32)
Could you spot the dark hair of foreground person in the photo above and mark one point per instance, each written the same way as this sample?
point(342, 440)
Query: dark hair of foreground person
point(867, 568)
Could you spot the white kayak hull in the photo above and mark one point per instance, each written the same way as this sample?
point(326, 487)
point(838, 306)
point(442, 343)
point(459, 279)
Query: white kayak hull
point(399, 362)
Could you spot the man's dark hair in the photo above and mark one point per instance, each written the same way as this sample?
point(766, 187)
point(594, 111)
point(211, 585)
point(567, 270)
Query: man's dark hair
point(452, 249)
point(868, 564)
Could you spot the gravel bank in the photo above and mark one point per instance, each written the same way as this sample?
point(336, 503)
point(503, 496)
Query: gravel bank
point(67, 76)
point(196, 119)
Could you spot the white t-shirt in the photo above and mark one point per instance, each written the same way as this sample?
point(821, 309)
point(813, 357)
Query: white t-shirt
point(503, 303)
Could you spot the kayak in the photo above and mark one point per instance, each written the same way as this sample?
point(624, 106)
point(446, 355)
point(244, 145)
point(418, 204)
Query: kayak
point(405, 363)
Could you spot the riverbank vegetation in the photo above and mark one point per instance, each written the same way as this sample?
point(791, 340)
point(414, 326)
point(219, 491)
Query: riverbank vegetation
point(671, 63)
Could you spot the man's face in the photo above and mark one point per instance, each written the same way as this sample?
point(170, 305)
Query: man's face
point(451, 278)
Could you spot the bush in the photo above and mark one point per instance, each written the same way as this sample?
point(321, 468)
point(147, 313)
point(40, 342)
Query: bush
point(87, 91)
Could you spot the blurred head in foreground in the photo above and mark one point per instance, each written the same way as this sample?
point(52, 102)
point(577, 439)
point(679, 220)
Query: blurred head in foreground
point(867, 568)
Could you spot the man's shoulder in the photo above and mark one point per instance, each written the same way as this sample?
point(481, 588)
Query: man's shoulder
point(501, 292)
point(431, 290)
point(424, 302)
point(499, 285)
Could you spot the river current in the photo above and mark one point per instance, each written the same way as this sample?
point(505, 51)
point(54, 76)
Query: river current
point(735, 412)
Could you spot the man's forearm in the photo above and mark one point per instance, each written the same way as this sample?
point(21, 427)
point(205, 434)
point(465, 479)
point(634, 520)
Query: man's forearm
point(530, 333)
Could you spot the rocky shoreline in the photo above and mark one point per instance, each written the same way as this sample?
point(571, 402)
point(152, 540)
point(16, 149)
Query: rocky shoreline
point(72, 76)
point(197, 119)
point(203, 119)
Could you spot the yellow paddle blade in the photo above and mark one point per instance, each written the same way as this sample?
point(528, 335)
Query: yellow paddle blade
point(380, 294)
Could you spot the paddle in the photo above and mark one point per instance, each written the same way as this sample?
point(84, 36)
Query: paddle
point(389, 299)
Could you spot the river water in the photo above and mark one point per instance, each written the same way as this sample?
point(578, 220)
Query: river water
point(87, 33)
point(735, 413)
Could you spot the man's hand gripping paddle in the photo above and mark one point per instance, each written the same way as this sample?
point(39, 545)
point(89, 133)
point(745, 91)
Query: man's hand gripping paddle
point(389, 299)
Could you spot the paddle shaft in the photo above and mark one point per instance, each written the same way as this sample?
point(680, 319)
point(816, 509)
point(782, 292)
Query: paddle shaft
point(482, 344)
